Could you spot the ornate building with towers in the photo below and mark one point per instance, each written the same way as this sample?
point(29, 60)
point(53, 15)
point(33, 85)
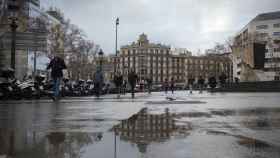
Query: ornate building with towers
point(158, 62)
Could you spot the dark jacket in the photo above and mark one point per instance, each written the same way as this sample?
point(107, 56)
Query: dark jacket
point(98, 77)
point(132, 79)
point(201, 81)
point(172, 84)
point(118, 80)
point(56, 65)
point(149, 81)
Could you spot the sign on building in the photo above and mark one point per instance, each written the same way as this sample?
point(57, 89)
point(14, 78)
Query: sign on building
point(26, 40)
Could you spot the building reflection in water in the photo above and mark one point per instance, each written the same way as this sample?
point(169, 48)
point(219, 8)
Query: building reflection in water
point(62, 145)
point(51, 145)
point(7, 144)
point(144, 128)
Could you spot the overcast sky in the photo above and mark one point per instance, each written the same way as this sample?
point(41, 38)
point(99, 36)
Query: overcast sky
point(191, 24)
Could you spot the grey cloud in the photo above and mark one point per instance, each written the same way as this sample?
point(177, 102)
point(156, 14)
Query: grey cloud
point(191, 24)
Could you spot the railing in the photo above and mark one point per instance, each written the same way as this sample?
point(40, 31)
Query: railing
point(263, 86)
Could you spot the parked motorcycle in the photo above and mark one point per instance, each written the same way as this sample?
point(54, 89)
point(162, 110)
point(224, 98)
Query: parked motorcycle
point(8, 85)
point(39, 85)
point(66, 88)
point(27, 88)
point(89, 88)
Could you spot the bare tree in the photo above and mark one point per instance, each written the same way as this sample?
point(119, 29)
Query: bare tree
point(230, 44)
point(219, 48)
point(78, 52)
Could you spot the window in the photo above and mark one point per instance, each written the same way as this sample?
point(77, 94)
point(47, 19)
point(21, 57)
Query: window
point(276, 25)
point(262, 27)
point(262, 35)
point(276, 49)
point(276, 33)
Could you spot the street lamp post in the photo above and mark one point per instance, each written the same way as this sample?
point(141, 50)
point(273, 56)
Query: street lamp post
point(115, 61)
point(14, 27)
point(100, 53)
point(115, 142)
point(13, 8)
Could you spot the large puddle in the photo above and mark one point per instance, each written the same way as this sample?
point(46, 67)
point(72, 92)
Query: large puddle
point(145, 134)
point(154, 126)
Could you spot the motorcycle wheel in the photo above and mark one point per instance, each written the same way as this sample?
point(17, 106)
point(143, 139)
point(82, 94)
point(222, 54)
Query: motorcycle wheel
point(27, 93)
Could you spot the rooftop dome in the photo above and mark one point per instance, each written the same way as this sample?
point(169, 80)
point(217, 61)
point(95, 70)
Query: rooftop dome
point(143, 39)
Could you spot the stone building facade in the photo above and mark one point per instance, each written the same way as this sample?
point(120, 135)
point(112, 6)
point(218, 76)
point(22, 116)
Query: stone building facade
point(147, 59)
point(208, 66)
point(263, 29)
point(158, 62)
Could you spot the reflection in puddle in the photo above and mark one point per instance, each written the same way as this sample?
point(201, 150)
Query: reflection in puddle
point(193, 114)
point(70, 144)
point(253, 143)
point(144, 128)
point(246, 112)
point(14, 144)
point(244, 132)
point(253, 118)
point(249, 142)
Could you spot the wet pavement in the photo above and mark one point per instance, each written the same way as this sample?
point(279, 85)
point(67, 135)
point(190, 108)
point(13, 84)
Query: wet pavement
point(220, 125)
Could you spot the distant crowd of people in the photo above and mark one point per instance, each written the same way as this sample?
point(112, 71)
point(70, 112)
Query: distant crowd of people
point(57, 65)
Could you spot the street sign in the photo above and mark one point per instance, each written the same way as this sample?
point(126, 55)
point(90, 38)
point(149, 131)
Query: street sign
point(26, 40)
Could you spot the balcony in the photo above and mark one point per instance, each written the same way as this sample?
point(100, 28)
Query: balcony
point(272, 55)
point(272, 65)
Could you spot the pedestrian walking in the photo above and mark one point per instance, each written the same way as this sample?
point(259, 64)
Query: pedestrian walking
point(166, 86)
point(200, 83)
point(118, 80)
point(124, 85)
point(222, 80)
point(142, 85)
point(149, 85)
point(98, 82)
point(190, 82)
point(212, 82)
point(56, 65)
point(172, 85)
point(132, 79)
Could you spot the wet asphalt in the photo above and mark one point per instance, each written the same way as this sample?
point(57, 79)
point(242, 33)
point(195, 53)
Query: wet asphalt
point(180, 125)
